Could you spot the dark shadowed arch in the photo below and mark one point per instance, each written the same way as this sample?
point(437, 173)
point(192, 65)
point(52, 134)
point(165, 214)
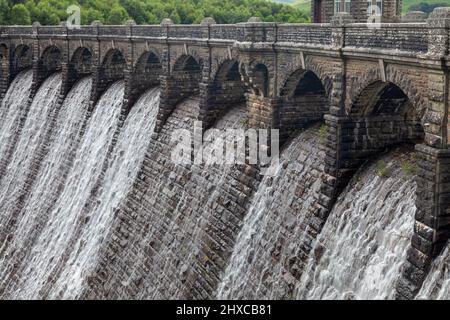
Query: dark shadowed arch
point(260, 80)
point(303, 99)
point(80, 65)
point(22, 59)
point(226, 91)
point(187, 72)
point(113, 66)
point(50, 60)
point(4, 63)
point(383, 115)
point(146, 73)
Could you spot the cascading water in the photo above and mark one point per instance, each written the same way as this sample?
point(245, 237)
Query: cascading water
point(266, 260)
point(364, 242)
point(125, 163)
point(179, 221)
point(16, 97)
point(13, 108)
point(29, 148)
point(437, 285)
point(52, 248)
point(49, 181)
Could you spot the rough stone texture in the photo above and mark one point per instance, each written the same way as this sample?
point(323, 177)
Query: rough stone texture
point(379, 86)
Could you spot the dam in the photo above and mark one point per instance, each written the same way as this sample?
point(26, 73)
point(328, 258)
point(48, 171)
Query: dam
point(356, 208)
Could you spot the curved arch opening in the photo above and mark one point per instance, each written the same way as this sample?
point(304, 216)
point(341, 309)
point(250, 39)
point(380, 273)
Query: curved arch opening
point(226, 91)
point(22, 58)
point(260, 80)
point(187, 72)
point(113, 66)
point(383, 116)
point(4, 63)
point(81, 63)
point(50, 60)
point(146, 73)
point(304, 100)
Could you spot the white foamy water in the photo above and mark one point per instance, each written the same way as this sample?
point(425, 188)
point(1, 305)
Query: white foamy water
point(364, 242)
point(49, 181)
point(125, 163)
point(437, 284)
point(31, 141)
point(52, 248)
point(266, 263)
point(15, 99)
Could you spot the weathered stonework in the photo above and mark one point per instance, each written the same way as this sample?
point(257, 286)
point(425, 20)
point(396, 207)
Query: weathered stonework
point(373, 87)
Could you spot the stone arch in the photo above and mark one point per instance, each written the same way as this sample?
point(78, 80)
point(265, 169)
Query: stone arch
point(50, 61)
point(4, 62)
point(187, 72)
point(383, 115)
point(146, 72)
point(303, 99)
point(225, 91)
point(259, 80)
point(80, 65)
point(113, 66)
point(22, 59)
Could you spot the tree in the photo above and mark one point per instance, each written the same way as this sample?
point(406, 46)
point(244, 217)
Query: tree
point(117, 16)
point(4, 12)
point(20, 15)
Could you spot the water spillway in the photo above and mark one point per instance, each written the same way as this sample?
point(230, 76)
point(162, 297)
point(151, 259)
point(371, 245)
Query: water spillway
point(94, 206)
point(50, 249)
point(49, 182)
point(363, 245)
point(266, 262)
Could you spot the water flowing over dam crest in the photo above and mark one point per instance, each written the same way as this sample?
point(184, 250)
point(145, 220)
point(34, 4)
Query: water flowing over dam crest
point(357, 205)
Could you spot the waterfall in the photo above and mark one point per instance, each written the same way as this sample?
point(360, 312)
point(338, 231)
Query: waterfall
point(53, 246)
point(16, 97)
point(49, 181)
point(30, 147)
point(13, 108)
point(437, 283)
point(125, 163)
point(267, 258)
point(174, 232)
point(364, 242)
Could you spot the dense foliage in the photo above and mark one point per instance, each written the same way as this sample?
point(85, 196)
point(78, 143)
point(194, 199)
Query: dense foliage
point(50, 12)
point(426, 7)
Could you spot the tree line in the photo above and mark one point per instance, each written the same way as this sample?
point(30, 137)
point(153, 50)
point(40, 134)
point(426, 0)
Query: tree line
point(116, 12)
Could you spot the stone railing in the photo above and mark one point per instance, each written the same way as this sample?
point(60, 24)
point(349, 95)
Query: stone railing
point(410, 38)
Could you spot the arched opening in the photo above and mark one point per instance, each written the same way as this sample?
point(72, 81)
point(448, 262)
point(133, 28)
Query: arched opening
point(50, 61)
point(187, 72)
point(4, 64)
point(80, 65)
point(22, 58)
point(304, 100)
point(260, 80)
point(226, 91)
point(113, 66)
point(383, 116)
point(111, 69)
point(146, 73)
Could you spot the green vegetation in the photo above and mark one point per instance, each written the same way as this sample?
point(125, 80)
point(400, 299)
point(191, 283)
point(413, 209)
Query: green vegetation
point(408, 5)
point(323, 131)
point(51, 12)
point(382, 169)
point(409, 167)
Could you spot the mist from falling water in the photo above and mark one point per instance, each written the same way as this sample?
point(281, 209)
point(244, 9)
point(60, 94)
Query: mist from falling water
point(125, 163)
point(364, 242)
point(64, 222)
point(32, 139)
point(266, 259)
point(437, 284)
point(48, 181)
